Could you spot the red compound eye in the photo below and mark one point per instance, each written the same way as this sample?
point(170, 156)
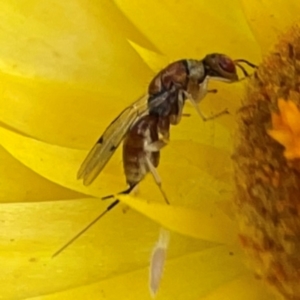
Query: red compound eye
point(227, 64)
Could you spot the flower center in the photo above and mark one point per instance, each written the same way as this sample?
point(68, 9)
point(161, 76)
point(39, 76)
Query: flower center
point(267, 179)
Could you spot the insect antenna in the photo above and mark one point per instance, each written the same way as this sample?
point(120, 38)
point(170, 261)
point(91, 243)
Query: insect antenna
point(242, 69)
point(110, 207)
point(238, 62)
point(246, 62)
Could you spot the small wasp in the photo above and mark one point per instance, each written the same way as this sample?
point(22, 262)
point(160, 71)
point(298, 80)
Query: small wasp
point(167, 93)
point(144, 126)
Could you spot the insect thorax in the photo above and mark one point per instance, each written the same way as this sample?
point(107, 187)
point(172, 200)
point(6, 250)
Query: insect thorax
point(196, 70)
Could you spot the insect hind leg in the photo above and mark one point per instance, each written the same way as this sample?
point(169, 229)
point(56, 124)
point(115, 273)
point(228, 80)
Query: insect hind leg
point(125, 192)
point(157, 179)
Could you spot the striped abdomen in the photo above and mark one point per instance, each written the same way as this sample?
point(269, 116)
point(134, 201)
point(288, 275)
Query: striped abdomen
point(144, 132)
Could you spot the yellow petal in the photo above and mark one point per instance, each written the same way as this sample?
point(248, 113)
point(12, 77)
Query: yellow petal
point(32, 232)
point(192, 166)
point(245, 287)
point(70, 72)
point(268, 19)
point(154, 60)
point(207, 224)
point(20, 184)
point(96, 58)
point(74, 41)
point(42, 158)
point(107, 255)
point(56, 163)
point(193, 29)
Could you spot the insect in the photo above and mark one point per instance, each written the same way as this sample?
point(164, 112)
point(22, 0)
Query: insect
point(141, 154)
point(180, 81)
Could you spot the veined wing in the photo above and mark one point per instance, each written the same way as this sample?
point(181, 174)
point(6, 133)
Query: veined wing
point(107, 144)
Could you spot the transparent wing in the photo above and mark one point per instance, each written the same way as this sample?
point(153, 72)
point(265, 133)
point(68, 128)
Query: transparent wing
point(105, 147)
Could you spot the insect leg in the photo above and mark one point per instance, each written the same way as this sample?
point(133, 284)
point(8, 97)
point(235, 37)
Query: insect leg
point(155, 146)
point(243, 70)
point(203, 89)
point(156, 177)
point(246, 62)
point(203, 117)
point(127, 191)
point(110, 207)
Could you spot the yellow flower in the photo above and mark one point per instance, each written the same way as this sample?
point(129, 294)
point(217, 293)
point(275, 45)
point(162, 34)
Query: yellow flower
point(267, 184)
point(67, 68)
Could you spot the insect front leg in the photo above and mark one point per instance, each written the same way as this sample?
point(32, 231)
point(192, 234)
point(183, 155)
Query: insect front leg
point(202, 90)
point(204, 117)
point(155, 146)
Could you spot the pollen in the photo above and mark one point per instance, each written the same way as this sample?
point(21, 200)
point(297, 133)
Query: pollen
point(266, 168)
